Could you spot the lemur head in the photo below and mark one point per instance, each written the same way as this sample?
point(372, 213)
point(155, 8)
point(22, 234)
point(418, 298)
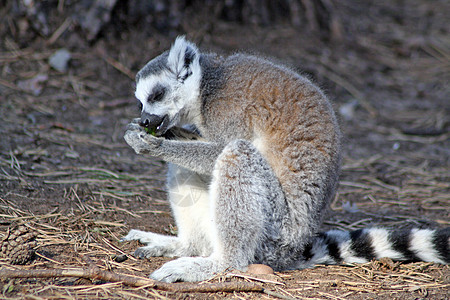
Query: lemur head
point(168, 87)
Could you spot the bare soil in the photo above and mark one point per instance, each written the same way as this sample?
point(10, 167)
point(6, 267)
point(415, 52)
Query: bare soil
point(68, 176)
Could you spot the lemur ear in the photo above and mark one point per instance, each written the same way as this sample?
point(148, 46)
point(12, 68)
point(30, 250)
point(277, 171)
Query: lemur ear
point(182, 56)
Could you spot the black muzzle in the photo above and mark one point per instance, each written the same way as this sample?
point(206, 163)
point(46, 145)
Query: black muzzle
point(153, 121)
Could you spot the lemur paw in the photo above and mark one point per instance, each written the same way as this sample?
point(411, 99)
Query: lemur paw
point(138, 235)
point(140, 141)
point(134, 126)
point(187, 269)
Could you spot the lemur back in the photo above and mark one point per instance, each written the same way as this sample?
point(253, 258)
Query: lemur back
point(251, 183)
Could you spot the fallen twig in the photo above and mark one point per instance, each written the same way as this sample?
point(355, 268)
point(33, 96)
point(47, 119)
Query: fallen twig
point(118, 66)
point(55, 36)
point(93, 272)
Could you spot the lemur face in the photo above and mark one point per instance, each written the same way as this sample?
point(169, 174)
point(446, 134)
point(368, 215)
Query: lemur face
point(168, 87)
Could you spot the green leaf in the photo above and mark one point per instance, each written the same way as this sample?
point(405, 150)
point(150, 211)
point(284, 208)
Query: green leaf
point(150, 130)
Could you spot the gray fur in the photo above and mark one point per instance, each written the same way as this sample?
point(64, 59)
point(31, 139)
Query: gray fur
point(251, 173)
point(154, 66)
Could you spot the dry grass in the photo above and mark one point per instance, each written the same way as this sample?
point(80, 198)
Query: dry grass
point(64, 238)
point(67, 175)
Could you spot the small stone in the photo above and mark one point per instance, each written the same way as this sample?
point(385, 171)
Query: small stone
point(120, 258)
point(350, 207)
point(60, 60)
point(259, 269)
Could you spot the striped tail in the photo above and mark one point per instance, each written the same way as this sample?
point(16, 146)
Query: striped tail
point(363, 245)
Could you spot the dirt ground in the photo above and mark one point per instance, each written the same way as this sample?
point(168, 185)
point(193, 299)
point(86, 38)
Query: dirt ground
point(68, 176)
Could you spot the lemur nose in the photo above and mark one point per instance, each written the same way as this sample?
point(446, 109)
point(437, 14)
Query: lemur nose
point(148, 120)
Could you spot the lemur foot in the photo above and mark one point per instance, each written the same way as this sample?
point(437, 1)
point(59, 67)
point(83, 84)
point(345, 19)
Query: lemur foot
point(187, 269)
point(138, 235)
point(157, 244)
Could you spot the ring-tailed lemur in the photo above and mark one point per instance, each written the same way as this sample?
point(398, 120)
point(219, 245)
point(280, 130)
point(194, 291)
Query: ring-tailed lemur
point(254, 153)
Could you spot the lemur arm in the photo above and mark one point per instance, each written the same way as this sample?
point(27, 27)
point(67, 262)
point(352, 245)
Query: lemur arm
point(198, 156)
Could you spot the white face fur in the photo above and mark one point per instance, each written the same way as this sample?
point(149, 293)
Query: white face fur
point(180, 81)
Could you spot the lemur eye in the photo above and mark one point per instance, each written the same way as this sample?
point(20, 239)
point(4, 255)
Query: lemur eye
point(156, 95)
point(140, 105)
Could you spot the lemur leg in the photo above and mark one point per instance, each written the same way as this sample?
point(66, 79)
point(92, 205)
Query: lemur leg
point(242, 195)
point(188, 196)
point(189, 199)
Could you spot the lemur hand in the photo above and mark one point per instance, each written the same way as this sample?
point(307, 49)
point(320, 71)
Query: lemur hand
point(142, 142)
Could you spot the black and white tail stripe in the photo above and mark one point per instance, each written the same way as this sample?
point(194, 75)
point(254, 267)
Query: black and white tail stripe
point(363, 245)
